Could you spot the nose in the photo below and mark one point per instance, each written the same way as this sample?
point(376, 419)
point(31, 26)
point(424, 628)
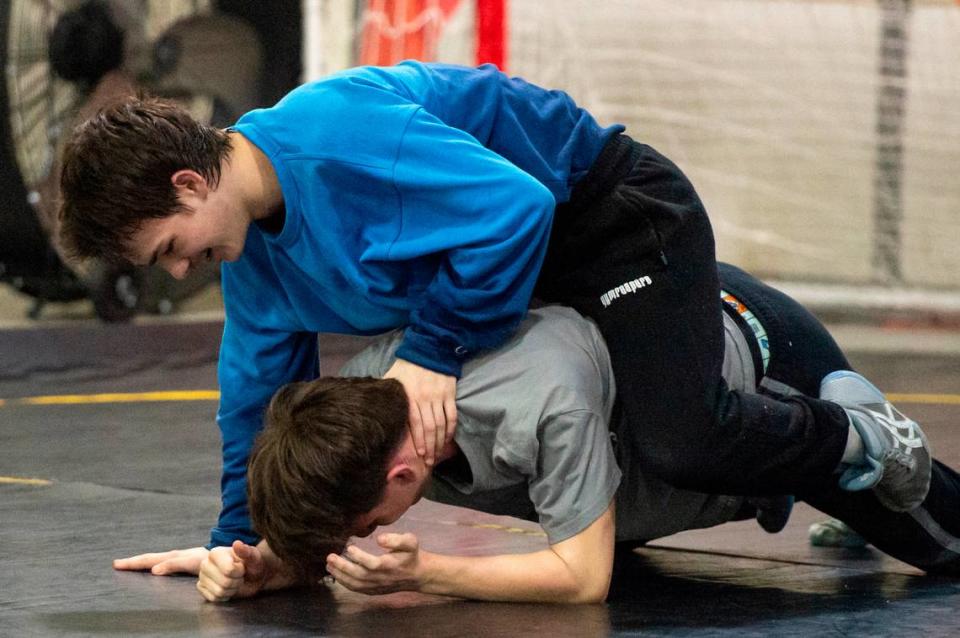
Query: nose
point(178, 268)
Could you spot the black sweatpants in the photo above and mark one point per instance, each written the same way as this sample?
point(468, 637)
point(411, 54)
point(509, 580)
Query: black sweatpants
point(633, 250)
point(802, 352)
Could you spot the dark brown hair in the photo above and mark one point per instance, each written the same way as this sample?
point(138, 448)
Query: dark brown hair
point(321, 462)
point(116, 170)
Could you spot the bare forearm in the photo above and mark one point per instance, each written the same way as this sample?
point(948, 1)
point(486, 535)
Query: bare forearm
point(575, 570)
point(538, 577)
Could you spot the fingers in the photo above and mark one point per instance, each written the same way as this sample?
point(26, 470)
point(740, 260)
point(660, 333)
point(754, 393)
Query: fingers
point(221, 575)
point(243, 551)
point(178, 561)
point(356, 577)
point(224, 561)
point(207, 594)
point(336, 567)
point(432, 412)
point(398, 542)
point(347, 567)
point(416, 427)
point(213, 576)
point(363, 572)
point(362, 558)
point(450, 409)
point(441, 432)
point(143, 561)
point(438, 419)
point(214, 593)
point(251, 558)
point(429, 432)
point(221, 571)
point(179, 565)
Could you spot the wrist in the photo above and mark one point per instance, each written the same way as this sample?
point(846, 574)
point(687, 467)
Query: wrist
point(426, 577)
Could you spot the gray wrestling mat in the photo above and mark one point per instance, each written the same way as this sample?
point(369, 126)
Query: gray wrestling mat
point(81, 484)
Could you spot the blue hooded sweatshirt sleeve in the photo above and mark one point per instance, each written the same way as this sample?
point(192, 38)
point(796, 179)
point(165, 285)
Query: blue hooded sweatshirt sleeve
point(261, 350)
point(487, 263)
point(417, 196)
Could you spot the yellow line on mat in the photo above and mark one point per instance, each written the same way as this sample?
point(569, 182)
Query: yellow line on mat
point(942, 399)
point(505, 528)
point(214, 395)
point(117, 397)
point(24, 481)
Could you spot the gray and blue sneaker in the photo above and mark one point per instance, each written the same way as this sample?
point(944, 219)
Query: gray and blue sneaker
point(897, 456)
point(835, 533)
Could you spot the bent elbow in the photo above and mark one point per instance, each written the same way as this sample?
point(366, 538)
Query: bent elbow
point(588, 598)
point(597, 595)
point(546, 204)
point(589, 593)
point(536, 202)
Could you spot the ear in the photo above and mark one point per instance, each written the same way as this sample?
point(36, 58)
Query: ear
point(400, 473)
point(189, 183)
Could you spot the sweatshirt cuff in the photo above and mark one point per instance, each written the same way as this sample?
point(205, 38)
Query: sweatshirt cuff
point(432, 353)
point(225, 538)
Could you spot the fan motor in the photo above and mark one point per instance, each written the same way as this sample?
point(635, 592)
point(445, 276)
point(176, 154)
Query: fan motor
point(86, 43)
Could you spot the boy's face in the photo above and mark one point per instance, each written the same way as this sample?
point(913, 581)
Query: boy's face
point(400, 495)
point(181, 242)
point(382, 514)
point(210, 226)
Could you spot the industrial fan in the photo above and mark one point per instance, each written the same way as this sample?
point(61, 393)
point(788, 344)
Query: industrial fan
point(64, 59)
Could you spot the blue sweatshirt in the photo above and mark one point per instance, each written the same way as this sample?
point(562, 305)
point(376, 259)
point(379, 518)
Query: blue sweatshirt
point(419, 195)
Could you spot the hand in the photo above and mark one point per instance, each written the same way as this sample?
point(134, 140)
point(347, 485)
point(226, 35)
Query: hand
point(177, 561)
point(433, 407)
point(239, 571)
point(400, 569)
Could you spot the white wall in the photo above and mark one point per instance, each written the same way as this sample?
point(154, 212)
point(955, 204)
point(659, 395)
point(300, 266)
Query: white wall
point(770, 107)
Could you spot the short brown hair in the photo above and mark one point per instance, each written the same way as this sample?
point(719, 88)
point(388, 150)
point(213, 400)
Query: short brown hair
point(321, 462)
point(116, 170)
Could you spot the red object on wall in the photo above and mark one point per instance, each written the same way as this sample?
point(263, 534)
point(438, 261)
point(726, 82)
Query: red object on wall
point(492, 32)
point(395, 30)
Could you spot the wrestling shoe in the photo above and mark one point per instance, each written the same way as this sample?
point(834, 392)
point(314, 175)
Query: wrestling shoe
point(897, 461)
point(773, 512)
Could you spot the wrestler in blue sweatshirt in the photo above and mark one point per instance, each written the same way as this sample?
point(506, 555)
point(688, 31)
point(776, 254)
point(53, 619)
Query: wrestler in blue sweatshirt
point(419, 195)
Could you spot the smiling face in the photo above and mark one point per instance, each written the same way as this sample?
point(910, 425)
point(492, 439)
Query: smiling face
point(210, 227)
point(183, 241)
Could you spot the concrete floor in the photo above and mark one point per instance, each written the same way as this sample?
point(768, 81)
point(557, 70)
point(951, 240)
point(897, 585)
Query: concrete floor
point(116, 479)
